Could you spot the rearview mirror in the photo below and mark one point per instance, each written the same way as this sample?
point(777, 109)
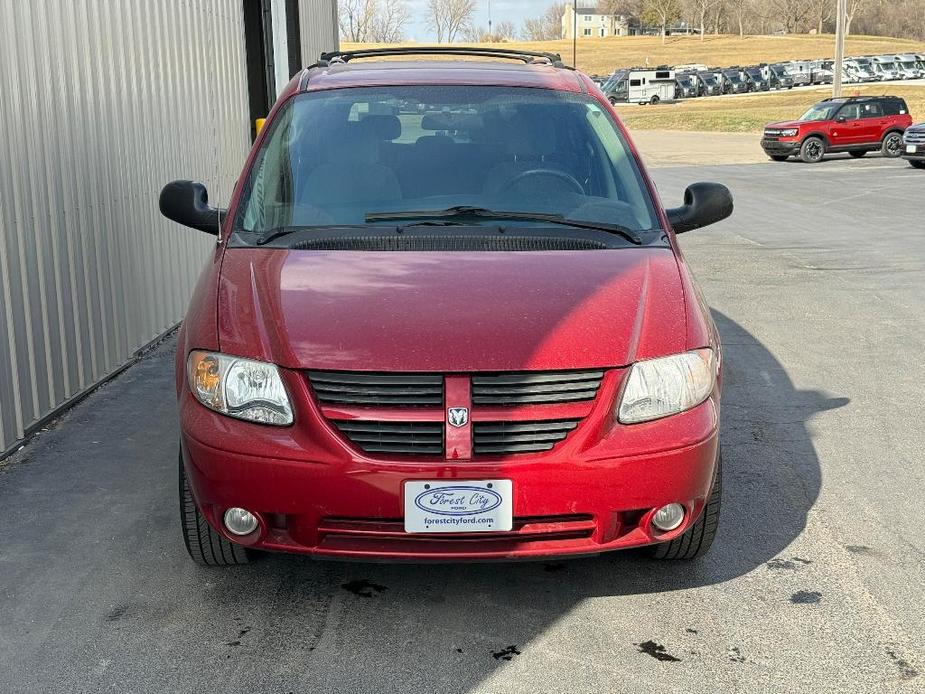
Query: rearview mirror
point(704, 204)
point(187, 203)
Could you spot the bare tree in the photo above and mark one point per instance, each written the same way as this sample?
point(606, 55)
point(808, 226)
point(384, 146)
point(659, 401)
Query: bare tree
point(821, 12)
point(390, 21)
point(449, 18)
point(547, 26)
point(790, 13)
point(854, 6)
point(619, 8)
point(701, 8)
point(355, 18)
point(742, 9)
point(661, 13)
point(505, 31)
point(378, 21)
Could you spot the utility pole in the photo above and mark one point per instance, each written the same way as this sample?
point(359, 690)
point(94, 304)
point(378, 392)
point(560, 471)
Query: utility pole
point(839, 46)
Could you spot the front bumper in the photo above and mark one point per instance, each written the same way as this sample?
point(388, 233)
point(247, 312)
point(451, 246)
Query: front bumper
point(917, 155)
point(330, 501)
point(780, 147)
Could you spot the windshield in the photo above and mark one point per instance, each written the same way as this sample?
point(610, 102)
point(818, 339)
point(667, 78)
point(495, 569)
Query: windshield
point(733, 77)
point(755, 74)
point(887, 66)
point(821, 112)
point(684, 81)
point(334, 157)
point(708, 79)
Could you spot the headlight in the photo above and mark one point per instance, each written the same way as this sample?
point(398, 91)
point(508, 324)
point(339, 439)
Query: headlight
point(791, 132)
point(238, 387)
point(657, 388)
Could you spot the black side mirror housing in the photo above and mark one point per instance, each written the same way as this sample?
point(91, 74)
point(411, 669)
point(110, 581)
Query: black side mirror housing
point(704, 204)
point(187, 203)
point(841, 119)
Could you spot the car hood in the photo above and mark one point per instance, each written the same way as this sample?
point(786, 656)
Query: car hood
point(785, 124)
point(446, 312)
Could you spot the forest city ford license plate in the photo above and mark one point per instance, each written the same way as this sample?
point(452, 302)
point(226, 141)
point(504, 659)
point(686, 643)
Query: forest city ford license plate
point(455, 506)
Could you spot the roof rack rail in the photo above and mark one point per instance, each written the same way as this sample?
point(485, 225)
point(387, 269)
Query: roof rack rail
point(529, 57)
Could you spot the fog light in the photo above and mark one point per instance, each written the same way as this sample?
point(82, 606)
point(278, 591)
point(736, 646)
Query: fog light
point(240, 521)
point(668, 517)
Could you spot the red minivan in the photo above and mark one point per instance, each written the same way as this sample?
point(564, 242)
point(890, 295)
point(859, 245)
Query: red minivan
point(446, 318)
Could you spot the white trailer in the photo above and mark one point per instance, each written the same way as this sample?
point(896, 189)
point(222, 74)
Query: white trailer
point(644, 86)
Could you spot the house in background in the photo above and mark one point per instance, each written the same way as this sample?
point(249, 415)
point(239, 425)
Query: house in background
point(589, 24)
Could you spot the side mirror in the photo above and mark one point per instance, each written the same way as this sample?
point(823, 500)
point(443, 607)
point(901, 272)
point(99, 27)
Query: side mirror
point(841, 119)
point(704, 204)
point(187, 203)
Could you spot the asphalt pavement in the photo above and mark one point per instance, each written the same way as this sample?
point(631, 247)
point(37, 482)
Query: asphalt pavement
point(815, 583)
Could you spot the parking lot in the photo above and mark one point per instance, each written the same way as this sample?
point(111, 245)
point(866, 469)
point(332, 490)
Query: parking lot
point(815, 582)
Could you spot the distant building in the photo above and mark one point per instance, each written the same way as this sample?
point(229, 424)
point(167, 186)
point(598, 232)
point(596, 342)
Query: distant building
point(592, 25)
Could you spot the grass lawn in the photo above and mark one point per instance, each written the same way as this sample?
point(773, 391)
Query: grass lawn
point(750, 113)
point(602, 56)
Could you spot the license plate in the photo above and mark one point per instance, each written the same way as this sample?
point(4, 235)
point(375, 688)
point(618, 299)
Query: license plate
point(454, 506)
point(910, 149)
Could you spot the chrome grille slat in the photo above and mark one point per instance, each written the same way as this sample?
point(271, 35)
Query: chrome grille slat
point(401, 438)
point(535, 388)
point(377, 389)
point(506, 438)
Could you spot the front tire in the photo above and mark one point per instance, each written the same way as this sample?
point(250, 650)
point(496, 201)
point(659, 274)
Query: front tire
point(654, 100)
point(696, 541)
point(812, 150)
point(205, 546)
point(892, 146)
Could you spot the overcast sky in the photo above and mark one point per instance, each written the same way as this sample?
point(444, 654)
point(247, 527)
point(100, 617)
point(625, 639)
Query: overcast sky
point(501, 10)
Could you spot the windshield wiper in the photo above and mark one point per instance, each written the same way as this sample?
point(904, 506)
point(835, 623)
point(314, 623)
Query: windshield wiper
point(462, 211)
point(273, 234)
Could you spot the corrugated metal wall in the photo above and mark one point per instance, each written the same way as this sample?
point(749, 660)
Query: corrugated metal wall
point(101, 103)
point(318, 28)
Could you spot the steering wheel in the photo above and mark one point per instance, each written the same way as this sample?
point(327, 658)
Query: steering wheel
point(552, 173)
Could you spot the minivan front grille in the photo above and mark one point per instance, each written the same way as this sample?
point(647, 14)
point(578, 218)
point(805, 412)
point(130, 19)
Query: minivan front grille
point(546, 388)
point(396, 438)
point(389, 414)
point(377, 389)
point(510, 437)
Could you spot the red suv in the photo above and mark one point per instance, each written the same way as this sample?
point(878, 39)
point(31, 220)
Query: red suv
point(446, 318)
point(856, 124)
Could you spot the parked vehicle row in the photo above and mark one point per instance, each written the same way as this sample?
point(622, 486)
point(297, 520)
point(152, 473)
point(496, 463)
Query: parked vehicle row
point(856, 124)
point(637, 85)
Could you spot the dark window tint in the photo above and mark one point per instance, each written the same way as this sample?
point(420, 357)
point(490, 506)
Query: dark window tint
point(635, 83)
point(893, 107)
point(332, 157)
point(871, 109)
